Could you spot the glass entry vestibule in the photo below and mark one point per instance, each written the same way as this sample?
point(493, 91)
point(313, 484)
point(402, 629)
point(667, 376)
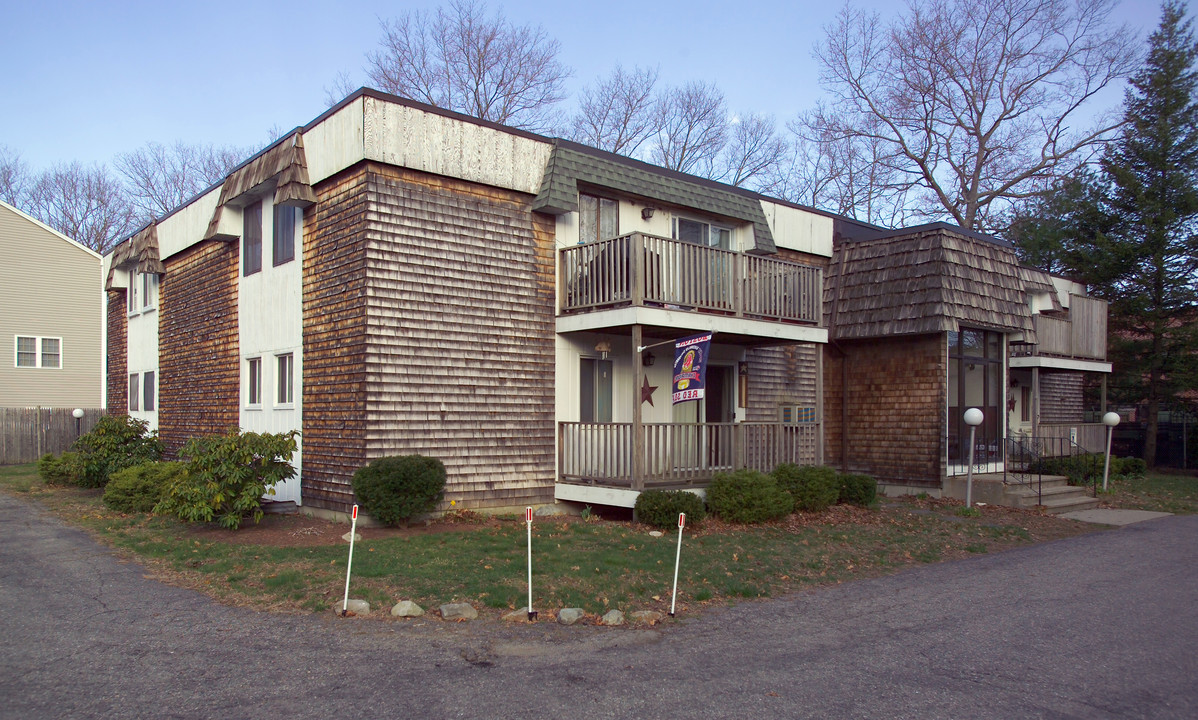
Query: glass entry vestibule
point(975, 380)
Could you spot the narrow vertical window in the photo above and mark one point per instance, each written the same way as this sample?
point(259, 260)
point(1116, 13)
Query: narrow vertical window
point(286, 368)
point(150, 393)
point(134, 392)
point(251, 239)
point(286, 222)
point(253, 391)
point(149, 290)
point(131, 293)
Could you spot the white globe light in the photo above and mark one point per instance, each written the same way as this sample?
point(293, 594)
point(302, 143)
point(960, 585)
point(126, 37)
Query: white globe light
point(1111, 419)
point(77, 413)
point(973, 416)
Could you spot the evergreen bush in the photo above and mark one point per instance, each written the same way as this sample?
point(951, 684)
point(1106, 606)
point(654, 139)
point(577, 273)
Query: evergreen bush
point(227, 475)
point(813, 487)
point(747, 496)
point(65, 469)
point(139, 488)
point(115, 443)
point(397, 488)
point(860, 490)
point(660, 508)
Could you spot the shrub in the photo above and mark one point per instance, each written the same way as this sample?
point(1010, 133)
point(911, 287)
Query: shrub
point(1080, 469)
point(139, 488)
point(813, 487)
point(861, 490)
point(227, 475)
point(66, 469)
point(397, 488)
point(1133, 467)
point(115, 443)
point(748, 496)
point(660, 508)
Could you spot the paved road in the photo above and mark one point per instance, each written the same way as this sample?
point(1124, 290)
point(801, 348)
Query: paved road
point(1099, 626)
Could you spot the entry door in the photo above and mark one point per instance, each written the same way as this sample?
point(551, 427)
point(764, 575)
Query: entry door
point(718, 409)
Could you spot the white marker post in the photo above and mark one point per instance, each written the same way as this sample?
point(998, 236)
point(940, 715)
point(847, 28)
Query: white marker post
point(352, 527)
point(532, 615)
point(677, 558)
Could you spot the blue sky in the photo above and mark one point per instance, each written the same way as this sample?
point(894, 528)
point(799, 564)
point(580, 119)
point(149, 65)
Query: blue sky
point(86, 81)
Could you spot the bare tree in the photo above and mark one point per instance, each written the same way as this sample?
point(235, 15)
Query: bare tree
point(752, 150)
point(845, 172)
point(617, 113)
point(692, 128)
point(14, 176)
point(975, 100)
point(161, 177)
point(339, 89)
point(461, 59)
point(87, 204)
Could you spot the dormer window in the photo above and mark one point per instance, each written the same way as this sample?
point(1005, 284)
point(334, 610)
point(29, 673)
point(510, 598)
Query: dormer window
point(143, 292)
point(598, 218)
point(701, 232)
point(251, 239)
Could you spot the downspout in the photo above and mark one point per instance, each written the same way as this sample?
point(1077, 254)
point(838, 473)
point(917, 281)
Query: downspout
point(844, 359)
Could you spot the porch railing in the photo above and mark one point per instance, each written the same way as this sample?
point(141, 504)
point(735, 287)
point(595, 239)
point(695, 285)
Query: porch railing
point(678, 454)
point(1082, 335)
point(1024, 456)
point(641, 269)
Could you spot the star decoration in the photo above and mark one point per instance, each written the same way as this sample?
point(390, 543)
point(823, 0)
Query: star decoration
point(647, 392)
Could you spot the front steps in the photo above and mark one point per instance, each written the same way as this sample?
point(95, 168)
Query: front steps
point(1056, 495)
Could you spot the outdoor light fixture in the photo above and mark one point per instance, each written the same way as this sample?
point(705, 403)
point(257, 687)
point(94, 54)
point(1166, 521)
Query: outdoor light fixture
point(973, 418)
point(647, 359)
point(1111, 419)
point(603, 349)
point(647, 213)
point(77, 413)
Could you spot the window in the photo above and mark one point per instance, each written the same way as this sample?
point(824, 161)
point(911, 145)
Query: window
point(38, 352)
point(134, 391)
point(251, 239)
point(287, 218)
point(598, 218)
point(702, 233)
point(149, 290)
point(131, 293)
point(150, 391)
point(253, 391)
point(286, 366)
point(595, 390)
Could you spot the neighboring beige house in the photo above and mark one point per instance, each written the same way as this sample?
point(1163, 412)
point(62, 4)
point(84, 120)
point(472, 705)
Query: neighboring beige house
point(51, 323)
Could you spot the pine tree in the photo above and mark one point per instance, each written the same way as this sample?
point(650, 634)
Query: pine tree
point(1149, 257)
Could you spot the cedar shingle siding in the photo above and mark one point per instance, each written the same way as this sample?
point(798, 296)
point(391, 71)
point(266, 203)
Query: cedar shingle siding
point(896, 408)
point(334, 389)
point(1061, 397)
point(198, 361)
point(429, 327)
point(118, 353)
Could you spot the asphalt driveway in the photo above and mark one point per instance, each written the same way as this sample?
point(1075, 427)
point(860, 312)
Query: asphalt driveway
point(1097, 626)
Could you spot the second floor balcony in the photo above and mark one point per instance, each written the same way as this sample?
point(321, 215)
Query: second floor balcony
point(1080, 336)
point(646, 270)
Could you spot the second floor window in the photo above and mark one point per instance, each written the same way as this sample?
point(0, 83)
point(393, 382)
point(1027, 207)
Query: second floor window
point(598, 218)
point(251, 239)
point(143, 291)
point(287, 220)
point(703, 233)
point(38, 352)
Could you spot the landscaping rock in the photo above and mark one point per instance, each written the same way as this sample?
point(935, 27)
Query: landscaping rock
point(357, 537)
point(357, 607)
point(612, 617)
point(520, 615)
point(458, 611)
point(647, 617)
point(550, 511)
point(406, 608)
point(569, 616)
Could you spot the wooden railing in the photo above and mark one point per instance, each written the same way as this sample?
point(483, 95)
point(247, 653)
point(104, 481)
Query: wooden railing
point(1090, 436)
point(678, 454)
point(1082, 335)
point(643, 269)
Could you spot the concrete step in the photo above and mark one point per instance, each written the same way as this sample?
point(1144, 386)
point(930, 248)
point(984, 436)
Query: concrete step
point(1028, 497)
point(1059, 505)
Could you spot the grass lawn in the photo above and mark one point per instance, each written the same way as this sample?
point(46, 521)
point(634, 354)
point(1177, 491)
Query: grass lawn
point(1173, 492)
point(596, 565)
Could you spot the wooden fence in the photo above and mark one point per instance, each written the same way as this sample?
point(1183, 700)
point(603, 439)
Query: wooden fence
point(28, 433)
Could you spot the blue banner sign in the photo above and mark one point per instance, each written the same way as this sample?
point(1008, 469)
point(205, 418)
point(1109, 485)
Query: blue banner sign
point(690, 367)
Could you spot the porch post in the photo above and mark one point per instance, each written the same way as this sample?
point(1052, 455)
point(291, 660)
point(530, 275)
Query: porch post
point(1103, 401)
point(638, 437)
point(1035, 402)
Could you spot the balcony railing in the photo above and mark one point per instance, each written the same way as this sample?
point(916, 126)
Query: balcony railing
point(640, 269)
point(1081, 336)
point(678, 454)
